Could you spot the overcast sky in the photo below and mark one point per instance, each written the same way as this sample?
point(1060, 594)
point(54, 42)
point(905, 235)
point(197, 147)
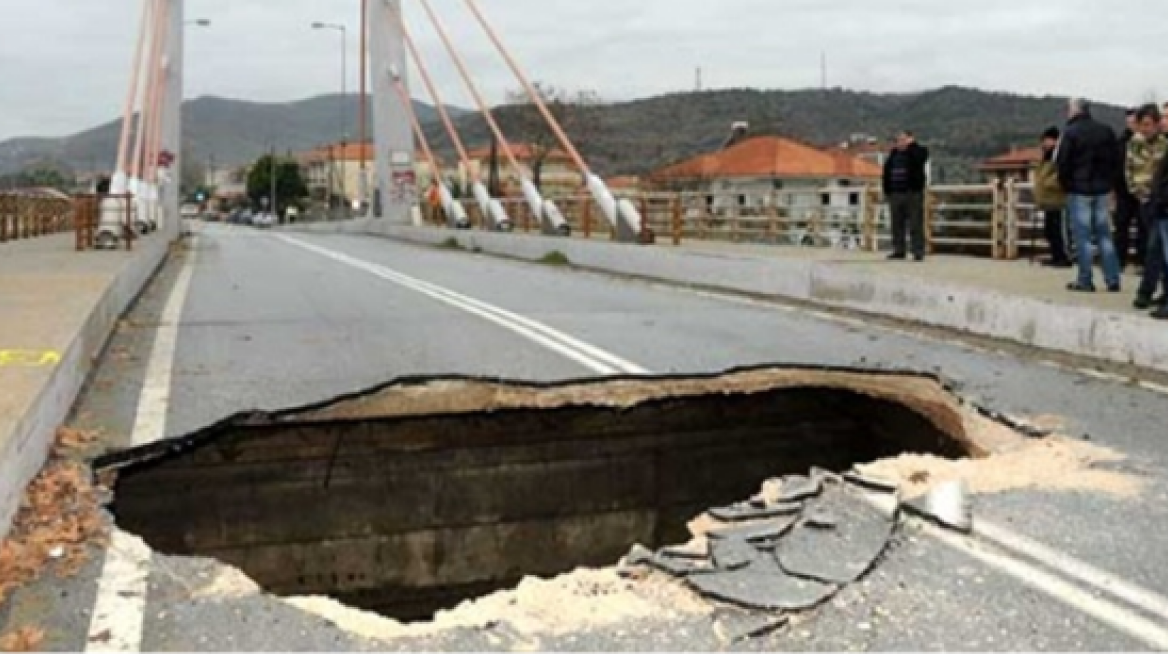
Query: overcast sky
point(64, 63)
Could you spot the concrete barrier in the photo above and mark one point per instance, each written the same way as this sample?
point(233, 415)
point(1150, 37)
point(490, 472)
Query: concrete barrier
point(1128, 339)
point(29, 421)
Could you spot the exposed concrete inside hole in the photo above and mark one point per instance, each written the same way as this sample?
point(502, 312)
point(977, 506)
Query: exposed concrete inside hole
point(414, 497)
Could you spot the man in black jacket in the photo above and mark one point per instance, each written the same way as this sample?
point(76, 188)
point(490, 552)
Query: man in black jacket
point(1127, 206)
point(905, 179)
point(1089, 164)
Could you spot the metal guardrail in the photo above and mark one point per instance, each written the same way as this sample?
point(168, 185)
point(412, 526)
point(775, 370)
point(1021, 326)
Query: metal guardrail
point(31, 213)
point(999, 221)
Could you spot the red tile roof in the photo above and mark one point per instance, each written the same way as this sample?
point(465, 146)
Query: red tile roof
point(1017, 158)
point(523, 152)
point(771, 157)
point(624, 182)
point(349, 153)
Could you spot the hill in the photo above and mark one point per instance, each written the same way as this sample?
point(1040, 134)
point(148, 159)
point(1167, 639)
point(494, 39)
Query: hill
point(228, 132)
point(961, 125)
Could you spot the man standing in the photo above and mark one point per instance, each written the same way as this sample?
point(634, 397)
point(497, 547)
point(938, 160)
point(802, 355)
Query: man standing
point(1127, 206)
point(1052, 201)
point(1157, 208)
point(1146, 150)
point(1088, 164)
point(905, 179)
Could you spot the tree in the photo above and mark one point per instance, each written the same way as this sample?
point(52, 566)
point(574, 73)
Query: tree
point(40, 176)
point(193, 176)
point(290, 185)
point(577, 112)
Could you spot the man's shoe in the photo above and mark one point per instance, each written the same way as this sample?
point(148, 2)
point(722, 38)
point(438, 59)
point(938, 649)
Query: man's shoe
point(1161, 314)
point(1115, 288)
point(1143, 303)
point(898, 256)
point(918, 258)
point(1058, 264)
point(1160, 301)
point(1076, 287)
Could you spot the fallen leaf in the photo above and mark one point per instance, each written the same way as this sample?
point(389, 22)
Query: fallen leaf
point(58, 516)
point(23, 640)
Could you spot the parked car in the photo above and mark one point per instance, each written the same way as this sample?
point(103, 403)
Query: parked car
point(264, 220)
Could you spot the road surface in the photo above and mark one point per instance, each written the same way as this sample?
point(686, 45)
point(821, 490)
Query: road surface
point(244, 319)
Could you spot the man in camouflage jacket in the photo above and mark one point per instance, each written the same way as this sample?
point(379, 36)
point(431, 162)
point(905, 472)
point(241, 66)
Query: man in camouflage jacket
point(1145, 152)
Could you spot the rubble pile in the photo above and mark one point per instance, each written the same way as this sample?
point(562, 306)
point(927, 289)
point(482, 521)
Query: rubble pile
point(792, 547)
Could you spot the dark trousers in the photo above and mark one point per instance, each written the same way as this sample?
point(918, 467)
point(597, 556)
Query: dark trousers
point(1055, 228)
point(1127, 216)
point(908, 219)
point(1155, 269)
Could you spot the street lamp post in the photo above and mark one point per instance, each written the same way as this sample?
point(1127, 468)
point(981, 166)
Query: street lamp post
point(344, 92)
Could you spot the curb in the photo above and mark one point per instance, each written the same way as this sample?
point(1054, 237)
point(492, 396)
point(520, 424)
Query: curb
point(26, 449)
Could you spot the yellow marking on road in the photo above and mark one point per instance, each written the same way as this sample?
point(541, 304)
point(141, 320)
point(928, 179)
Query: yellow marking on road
point(28, 358)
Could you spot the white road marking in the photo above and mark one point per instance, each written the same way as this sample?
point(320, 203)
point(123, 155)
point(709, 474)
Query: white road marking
point(120, 608)
point(1117, 617)
point(598, 360)
point(1074, 568)
point(154, 401)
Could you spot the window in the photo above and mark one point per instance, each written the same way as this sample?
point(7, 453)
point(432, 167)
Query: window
point(854, 200)
point(825, 199)
point(743, 201)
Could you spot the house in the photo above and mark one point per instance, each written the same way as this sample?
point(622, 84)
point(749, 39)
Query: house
point(868, 149)
point(764, 171)
point(335, 170)
point(558, 175)
point(1018, 164)
point(622, 185)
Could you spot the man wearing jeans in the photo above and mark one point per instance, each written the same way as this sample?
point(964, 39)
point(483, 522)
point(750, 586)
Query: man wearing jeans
point(1088, 163)
point(905, 179)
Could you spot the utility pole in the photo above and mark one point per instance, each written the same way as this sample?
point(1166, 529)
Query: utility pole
point(363, 109)
point(698, 85)
point(275, 203)
point(823, 70)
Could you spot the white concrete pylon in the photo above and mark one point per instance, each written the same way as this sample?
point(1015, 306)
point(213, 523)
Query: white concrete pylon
point(396, 182)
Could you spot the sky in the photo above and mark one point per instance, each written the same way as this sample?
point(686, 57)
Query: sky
point(64, 64)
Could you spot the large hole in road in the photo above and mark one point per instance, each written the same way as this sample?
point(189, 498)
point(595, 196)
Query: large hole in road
point(415, 497)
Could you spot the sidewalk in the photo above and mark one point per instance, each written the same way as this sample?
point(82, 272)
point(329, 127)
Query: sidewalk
point(1016, 301)
point(1018, 277)
point(59, 307)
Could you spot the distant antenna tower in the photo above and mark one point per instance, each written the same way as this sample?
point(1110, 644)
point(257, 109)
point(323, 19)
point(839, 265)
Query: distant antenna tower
point(823, 70)
point(698, 85)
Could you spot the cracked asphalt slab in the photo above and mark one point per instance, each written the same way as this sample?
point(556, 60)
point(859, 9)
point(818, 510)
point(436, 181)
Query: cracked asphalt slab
point(269, 326)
